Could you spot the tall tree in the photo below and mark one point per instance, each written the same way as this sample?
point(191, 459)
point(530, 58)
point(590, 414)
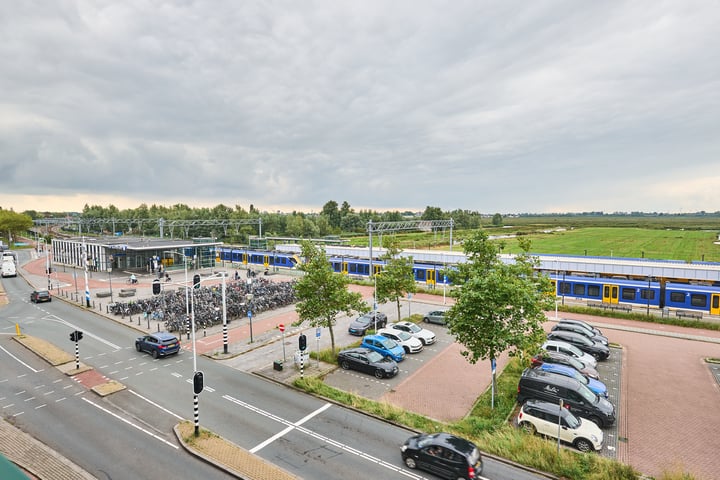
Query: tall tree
point(500, 307)
point(322, 294)
point(396, 279)
point(330, 210)
point(497, 220)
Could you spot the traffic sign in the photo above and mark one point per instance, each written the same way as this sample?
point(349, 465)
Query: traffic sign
point(317, 332)
point(281, 327)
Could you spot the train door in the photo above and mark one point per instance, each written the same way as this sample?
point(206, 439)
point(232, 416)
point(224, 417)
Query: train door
point(431, 277)
point(715, 304)
point(610, 293)
point(344, 267)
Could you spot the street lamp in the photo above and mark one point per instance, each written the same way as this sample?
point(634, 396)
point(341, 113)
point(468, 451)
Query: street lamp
point(47, 264)
point(224, 307)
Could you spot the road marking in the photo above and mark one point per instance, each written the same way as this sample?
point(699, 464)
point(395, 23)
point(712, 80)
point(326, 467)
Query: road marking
point(131, 423)
point(298, 426)
point(156, 405)
point(19, 361)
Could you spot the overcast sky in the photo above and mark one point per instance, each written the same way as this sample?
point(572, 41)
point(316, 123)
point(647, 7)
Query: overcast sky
point(494, 106)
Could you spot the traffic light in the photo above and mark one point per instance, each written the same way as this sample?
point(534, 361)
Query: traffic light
point(302, 342)
point(198, 382)
point(156, 287)
point(73, 337)
point(196, 281)
point(78, 335)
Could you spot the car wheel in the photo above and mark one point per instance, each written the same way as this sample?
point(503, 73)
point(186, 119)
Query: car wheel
point(407, 349)
point(137, 347)
point(596, 420)
point(583, 445)
point(155, 354)
point(410, 462)
point(345, 365)
point(426, 320)
point(528, 427)
point(379, 373)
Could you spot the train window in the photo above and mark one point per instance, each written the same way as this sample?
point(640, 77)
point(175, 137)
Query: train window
point(677, 297)
point(698, 300)
point(628, 293)
point(564, 288)
point(579, 289)
point(594, 291)
point(646, 294)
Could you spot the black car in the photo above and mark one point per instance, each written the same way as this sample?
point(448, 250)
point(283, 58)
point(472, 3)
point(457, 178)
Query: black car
point(443, 454)
point(366, 322)
point(368, 361)
point(38, 296)
point(595, 330)
point(158, 344)
point(597, 350)
point(573, 327)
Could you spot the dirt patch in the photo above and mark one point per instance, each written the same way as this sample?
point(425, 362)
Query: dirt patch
point(226, 454)
point(49, 352)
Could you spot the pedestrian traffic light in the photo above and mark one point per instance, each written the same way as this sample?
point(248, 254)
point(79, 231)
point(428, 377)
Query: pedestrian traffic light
point(196, 281)
point(302, 342)
point(156, 287)
point(73, 337)
point(198, 382)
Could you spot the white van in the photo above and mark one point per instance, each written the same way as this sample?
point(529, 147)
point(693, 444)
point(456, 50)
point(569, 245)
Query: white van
point(8, 269)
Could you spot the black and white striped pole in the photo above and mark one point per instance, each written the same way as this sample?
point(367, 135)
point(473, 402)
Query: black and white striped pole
point(76, 336)
point(224, 313)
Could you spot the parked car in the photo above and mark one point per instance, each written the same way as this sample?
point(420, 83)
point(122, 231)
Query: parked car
point(597, 350)
point(593, 329)
point(549, 387)
point(541, 417)
point(568, 349)
point(572, 327)
point(38, 296)
point(409, 343)
point(596, 386)
point(443, 454)
point(563, 359)
point(423, 334)
point(368, 361)
point(384, 346)
point(366, 322)
point(436, 316)
point(158, 344)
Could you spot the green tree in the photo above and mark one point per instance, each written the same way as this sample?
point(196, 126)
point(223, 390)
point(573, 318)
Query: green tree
point(497, 220)
point(322, 294)
point(14, 223)
point(396, 279)
point(500, 307)
point(330, 210)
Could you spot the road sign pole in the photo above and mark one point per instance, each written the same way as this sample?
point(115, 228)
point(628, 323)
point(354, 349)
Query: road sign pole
point(317, 338)
point(282, 330)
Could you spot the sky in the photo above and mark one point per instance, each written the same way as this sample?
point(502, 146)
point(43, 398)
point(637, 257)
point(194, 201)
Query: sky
point(491, 106)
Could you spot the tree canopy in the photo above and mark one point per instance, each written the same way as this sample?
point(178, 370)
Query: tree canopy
point(500, 306)
point(322, 294)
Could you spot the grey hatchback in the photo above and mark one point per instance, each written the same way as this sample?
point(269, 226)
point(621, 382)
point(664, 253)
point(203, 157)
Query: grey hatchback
point(158, 344)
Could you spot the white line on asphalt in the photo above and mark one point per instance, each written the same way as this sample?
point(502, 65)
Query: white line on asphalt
point(131, 424)
point(320, 437)
point(19, 361)
point(156, 405)
point(280, 434)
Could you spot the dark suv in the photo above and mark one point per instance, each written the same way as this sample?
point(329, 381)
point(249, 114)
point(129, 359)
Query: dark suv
point(38, 296)
point(366, 322)
point(579, 329)
point(596, 349)
point(158, 344)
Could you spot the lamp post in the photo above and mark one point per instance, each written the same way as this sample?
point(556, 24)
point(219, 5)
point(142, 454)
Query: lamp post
point(224, 307)
point(85, 261)
point(47, 264)
point(648, 296)
point(557, 289)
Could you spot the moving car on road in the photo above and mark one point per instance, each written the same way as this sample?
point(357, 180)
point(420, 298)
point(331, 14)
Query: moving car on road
point(443, 454)
point(38, 296)
point(368, 361)
point(158, 344)
point(542, 417)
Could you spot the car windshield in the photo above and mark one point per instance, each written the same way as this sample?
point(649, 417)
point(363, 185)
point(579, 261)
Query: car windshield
point(404, 336)
point(414, 328)
point(571, 420)
point(575, 363)
point(573, 350)
point(374, 357)
point(580, 377)
point(588, 394)
point(388, 343)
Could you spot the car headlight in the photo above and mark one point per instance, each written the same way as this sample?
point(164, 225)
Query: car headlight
point(594, 438)
point(403, 448)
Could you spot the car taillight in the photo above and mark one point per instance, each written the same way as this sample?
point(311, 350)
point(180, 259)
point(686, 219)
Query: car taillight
point(471, 472)
point(520, 416)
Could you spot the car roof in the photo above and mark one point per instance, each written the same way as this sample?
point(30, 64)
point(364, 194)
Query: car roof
point(549, 407)
point(356, 350)
point(549, 377)
point(374, 337)
point(453, 442)
point(163, 335)
point(555, 367)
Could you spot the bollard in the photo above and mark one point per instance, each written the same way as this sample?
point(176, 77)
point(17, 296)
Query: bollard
point(138, 320)
point(158, 327)
point(148, 318)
